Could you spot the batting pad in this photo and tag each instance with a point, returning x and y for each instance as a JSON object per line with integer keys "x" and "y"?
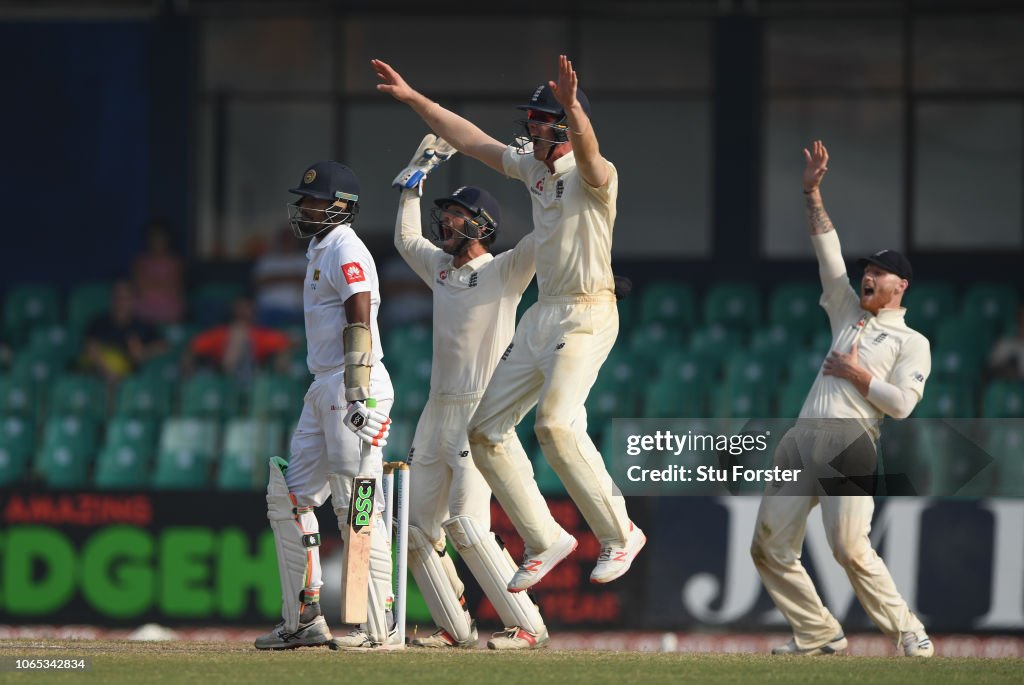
{"x": 493, "y": 569}
{"x": 381, "y": 593}
{"x": 437, "y": 584}
{"x": 297, "y": 539}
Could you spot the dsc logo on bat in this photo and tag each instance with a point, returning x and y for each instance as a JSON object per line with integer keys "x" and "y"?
{"x": 362, "y": 506}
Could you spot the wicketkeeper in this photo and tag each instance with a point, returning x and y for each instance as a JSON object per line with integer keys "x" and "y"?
{"x": 475, "y": 299}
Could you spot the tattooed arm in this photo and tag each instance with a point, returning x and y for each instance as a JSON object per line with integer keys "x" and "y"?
{"x": 838, "y": 298}
{"x": 817, "y": 164}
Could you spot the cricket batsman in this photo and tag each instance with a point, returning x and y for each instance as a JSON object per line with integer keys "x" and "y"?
{"x": 562, "y": 341}
{"x": 877, "y": 367}
{"x": 338, "y": 422}
{"x": 475, "y": 299}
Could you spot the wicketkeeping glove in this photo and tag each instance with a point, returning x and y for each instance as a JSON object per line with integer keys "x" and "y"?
{"x": 432, "y": 152}
{"x": 369, "y": 424}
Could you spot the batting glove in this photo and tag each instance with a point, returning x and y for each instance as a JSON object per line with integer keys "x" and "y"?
{"x": 367, "y": 423}
{"x": 432, "y": 152}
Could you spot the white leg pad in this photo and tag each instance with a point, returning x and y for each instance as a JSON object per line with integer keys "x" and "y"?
{"x": 493, "y": 568}
{"x": 297, "y": 539}
{"x": 382, "y": 596}
{"x": 440, "y": 585}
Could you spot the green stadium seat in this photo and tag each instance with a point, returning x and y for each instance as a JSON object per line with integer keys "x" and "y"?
{"x": 959, "y": 351}
{"x": 185, "y": 454}
{"x": 69, "y": 446}
{"x": 81, "y": 434}
{"x": 28, "y": 306}
{"x": 210, "y": 396}
{"x": 795, "y": 306}
{"x": 248, "y": 446}
{"x": 928, "y": 305}
{"x": 790, "y": 399}
{"x": 674, "y": 398}
{"x": 85, "y": 303}
{"x": 994, "y": 303}
{"x": 400, "y": 440}
{"x": 277, "y": 397}
{"x": 1003, "y": 399}
{"x": 17, "y": 442}
{"x": 821, "y": 342}
{"x": 138, "y": 433}
{"x": 609, "y": 400}
{"x": 210, "y": 303}
{"x": 652, "y": 340}
{"x": 733, "y": 401}
{"x": 165, "y": 368}
{"x": 410, "y": 398}
{"x": 56, "y": 341}
{"x": 625, "y": 368}
{"x": 670, "y": 303}
{"x": 527, "y": 438}
{"x": 1006, "y": 445}
{"x": 775, "y": 343}
{"x": 144, "y": 396}
{"x": 17, "y": 397}
{"x": 751, "y": 368}
{"x": 803, "y": 368}
{"x": 946, "y": 400}
{"x": 40, "y": 365}
{"x": 712, "y": 344}
{"x": 122, "y": 466}
{"x": 736, "y": 305}
{"x": 181, "y": 469}
{"x": 178, "y": 336}
{"x": 78, "y": 395}
{"x": 298, "y": 369}
{"x": 61, "y": 465}
{"x": 189, "y": 434}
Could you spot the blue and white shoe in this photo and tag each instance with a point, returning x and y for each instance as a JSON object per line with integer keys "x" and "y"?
{"x": 917, "y": 644}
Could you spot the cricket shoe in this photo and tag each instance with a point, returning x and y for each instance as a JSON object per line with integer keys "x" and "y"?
{"x": 360, "y": 639}
{"x": 517, "y": 638}
{"x": 836, "y": 645}
{"x": 536, "y": 566}
{"x": 442, "y": 639}
{"x": 614, "y": 561}
{"x": 917, "y": 644}
{"x": 314, "y": 633}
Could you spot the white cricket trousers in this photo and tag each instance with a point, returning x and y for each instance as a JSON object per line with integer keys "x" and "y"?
{"x": 553, "y": 361}
{"x": 322, "y": 444}
{"x": 779, "y": 536}
{"x": 444, "y": 480}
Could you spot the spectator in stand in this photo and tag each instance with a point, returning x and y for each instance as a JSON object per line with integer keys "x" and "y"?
{"x": 118, "y": 342}
{"x": 158, "y": 274}
{"x": 278, "y": 278}
{"x": 239, "y": 347}
{"x": 1007, "y": 357}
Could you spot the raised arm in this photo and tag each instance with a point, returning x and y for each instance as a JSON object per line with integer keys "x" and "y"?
{"x": 830, "y": 261}
{"x": 593, "y": 168}
{"x": 462, "y": 133}
{"x": 418, "y": 252}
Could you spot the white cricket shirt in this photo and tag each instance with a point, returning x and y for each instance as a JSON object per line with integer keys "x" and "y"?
{"x": 572, "y": 225}
{"x": 339, "y": 267}
{"x": 474, "y": 305}
{"x": 889, "y": 349}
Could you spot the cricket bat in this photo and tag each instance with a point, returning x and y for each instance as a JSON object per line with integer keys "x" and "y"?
{"x": 355, "y": 578}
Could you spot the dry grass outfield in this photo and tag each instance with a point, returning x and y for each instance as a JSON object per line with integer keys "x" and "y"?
{"x": 233, "y": 662}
